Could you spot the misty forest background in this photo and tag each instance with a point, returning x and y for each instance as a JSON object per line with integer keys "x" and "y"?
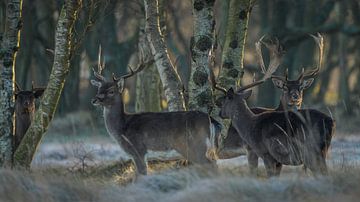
{"x": 117, "y": 24}
{"x": 229, "y": 31}
{"x": 73, "y": 142}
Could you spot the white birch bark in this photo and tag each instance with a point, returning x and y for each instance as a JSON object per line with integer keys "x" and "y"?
{"x": 200, "y": 90}
{"x": 9, "y": 46}
{"x": 169, "y": 77}
{"x": 44, "y": 115}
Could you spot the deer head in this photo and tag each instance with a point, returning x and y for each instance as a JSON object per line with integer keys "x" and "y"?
{"x": 25, "y": 99}
{"x": 233, "y": 99}
{"x": 109, "y": 91}
{"x": 293, "y": 89}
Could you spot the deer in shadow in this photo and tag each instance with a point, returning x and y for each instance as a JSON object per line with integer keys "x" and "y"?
{"x": 291, "y": 99}
{"x": 24, "y": 110}
{"x": 190, "y": 133}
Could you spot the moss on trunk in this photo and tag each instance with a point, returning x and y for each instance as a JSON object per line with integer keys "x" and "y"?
{"x": 9, "y": 46}
{"x": 43, "y": 116}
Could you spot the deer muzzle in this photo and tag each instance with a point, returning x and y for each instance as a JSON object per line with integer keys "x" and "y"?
{"x": 95, "y": 101}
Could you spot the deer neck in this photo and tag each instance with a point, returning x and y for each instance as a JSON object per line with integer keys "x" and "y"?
{"x": 115, "y": 116}
{"x": 283, "y": 106}
{"x": 243, "y": 118}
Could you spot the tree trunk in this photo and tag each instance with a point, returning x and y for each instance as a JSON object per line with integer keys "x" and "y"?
{"x": 9, "y": 47}
{"x": 148, "y": 84}
{"x": 169, "y": 77}
{"x": 200, "y": 91}
{"x": 268, "y": 96}
{"x": 233, "y": 51}
{"x": 43, "y": 116}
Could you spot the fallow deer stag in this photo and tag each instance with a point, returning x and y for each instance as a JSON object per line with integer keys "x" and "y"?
{"x": 24, "y": 110}
{"x": 291, "y": 99}
{"x": 279, "y": 138}
{"x": 190, "y": 133}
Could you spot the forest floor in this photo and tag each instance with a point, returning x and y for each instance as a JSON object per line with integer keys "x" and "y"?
{"x": 86, "y": 165}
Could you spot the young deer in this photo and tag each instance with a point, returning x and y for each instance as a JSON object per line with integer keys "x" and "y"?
{"x": 24, "y": 110}
{"x": 188, "y": 132}
{"x": 291, "y": 99}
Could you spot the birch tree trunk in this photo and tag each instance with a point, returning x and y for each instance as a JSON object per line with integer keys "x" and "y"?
{"x": 9, "y": 47}
{"x": 43, "y": 116}
{"x": 148, "y": 82}
{"x": 169, "y": 77}
{"x": 200, "y": 91}
{"x": 233, "y": 51}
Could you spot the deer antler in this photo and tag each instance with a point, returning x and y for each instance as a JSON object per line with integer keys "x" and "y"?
{"x": 214, "y": 84}
{"x": 17, "y": 86}
{"x": 276, "y": 53}
{"x": 132, "y": 72}
{"x": 320, "y": 43}
{"x": 100, "y": 66}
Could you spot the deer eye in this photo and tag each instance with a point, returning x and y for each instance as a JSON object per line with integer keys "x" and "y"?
{"x": 111, "y": 92}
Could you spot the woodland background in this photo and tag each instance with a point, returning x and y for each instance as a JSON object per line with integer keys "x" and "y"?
{"x": 77, "y": 145}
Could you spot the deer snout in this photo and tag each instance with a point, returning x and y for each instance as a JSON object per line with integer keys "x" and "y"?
{"x": 295, "y": 96}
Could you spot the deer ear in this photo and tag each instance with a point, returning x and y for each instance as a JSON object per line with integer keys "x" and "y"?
{"x": 120, "y": 84}
{"x": 278, "y": 82}
{"x": 95, "y": 83}
{"x": 38, "y": 92}
{"x": 307, "y": 83}
{"x": 247, "y": 94}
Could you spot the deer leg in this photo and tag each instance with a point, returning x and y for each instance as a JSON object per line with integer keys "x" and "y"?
{"x": 278, "y": 167}
{"x": 137, "y": 152}
{"x": 140, "y": 165}
{"x": 252, "y": 160}
{"x": 271, "y": 166}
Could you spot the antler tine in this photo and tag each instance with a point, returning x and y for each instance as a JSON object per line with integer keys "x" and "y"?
{"x": 319, "y": 39}
{"x": 132, "y": 72}
{"x": 259, "y": 54}
{"x": 276, "y": 53}
{"x": 301, "y": 76}
{"x": 251, "y": 85}
{"x": 17, "y": 86}
{"x": 214, "y": 84}
{"x": 97, "y": 74}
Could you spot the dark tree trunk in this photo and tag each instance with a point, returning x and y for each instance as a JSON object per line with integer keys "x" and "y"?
{"x": 44, "y": 115}
{"x": 170, "y": 79}
{"x": 9, "y": 47}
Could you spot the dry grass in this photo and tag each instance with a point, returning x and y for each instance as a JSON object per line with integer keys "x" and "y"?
{"x": 186, "y": 184}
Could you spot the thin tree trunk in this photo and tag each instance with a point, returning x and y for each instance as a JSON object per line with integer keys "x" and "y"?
{"x": 268, "y": 96}
{"x": 169, "y": 77}
{"x": 9, "y": 47}
{"x": 43, "y": 116}
{"x": 200, "y": 91}
{"x": 344, "y": 83}
{"x": 148, "y": 94}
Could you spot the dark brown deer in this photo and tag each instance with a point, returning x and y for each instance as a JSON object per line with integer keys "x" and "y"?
{"x": 190, "y": 133}
{"x": 291, "y": 99}
{"x": 279, "y": 137}
{"x": 24, "y": 110}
